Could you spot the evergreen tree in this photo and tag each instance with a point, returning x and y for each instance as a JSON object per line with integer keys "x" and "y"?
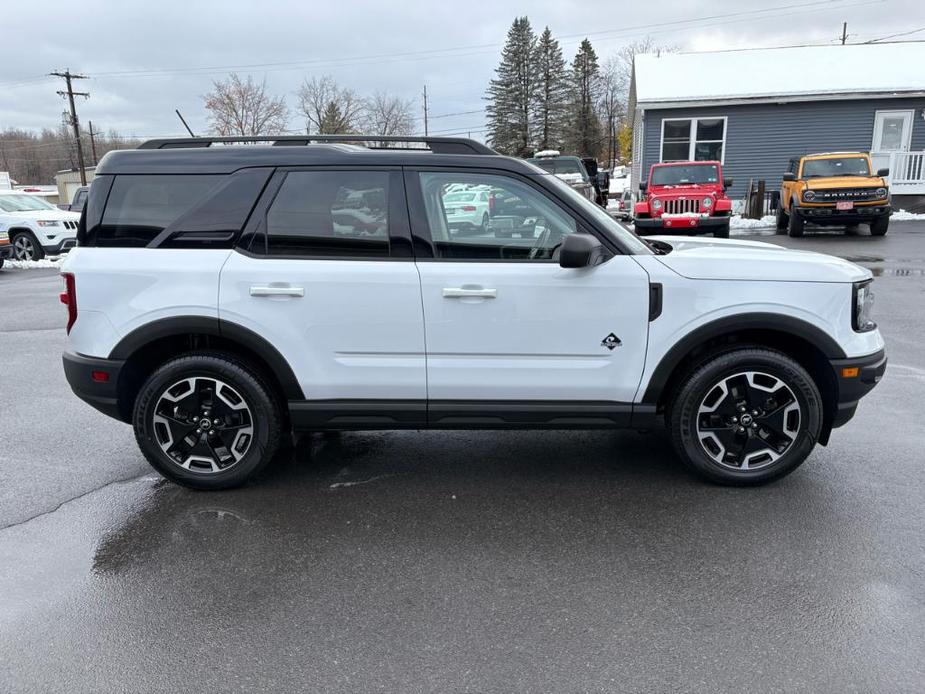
{"x": 511, "y": 93}
{"x": 586, "y": 136}
{"x": 550, "y": 102}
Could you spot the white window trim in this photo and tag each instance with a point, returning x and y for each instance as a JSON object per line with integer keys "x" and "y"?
{"x": 693, "y": 141}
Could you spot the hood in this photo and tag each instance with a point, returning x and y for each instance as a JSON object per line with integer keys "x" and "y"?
{"x": 731, "y": 259}
{"x": 62, "y": 215}
{"x": 845, "y": 182}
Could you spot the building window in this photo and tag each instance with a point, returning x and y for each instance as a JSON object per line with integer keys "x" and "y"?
{"x": 693, "y": 139}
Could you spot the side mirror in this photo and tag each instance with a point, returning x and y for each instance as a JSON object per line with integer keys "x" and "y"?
{"x": 643, "y": 185}
{"x": 727, "y": 183}
{"x": 579, "y": 250}
{"x": 790, "y": 176}
{"x": 883, "y": 173}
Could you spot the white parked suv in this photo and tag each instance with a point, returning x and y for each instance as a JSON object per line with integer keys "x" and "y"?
{"x": 215, "y": 303}
{"x": 36, "y": 228}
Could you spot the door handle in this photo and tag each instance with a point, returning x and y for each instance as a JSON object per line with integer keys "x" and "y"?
{"x": 460, "y": 292}
{"x": 277, "y": 291}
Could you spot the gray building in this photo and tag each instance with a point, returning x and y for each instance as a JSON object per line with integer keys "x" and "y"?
{"x": 755, "y": 109}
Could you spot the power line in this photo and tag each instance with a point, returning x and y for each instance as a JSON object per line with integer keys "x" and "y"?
{"x": 893, "y": 36}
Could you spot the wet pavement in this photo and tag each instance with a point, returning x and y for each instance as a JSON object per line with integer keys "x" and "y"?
{"x": 463, "y": 561}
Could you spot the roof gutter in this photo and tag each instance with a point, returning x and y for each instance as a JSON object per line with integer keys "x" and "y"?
{"x": 774, "y": 99}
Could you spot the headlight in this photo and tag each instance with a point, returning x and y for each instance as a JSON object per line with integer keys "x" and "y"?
{"x": 881, "y": 192}
{"x": 707, "y": 202}
{"x": 656, "y": 204}
{"x": 809, "y": 195}
{"x": 863, "y": 307}
{"x": 48, "y": 223}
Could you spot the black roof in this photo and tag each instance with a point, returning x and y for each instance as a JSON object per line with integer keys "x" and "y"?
{"x": 199, "y": 155}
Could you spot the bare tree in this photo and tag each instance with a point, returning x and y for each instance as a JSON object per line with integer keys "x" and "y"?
{"x": 385, "y": 114}
{"x": 243, "y": 107}
{"x": 328, "y": 108}
{"x": 612, "y": 104}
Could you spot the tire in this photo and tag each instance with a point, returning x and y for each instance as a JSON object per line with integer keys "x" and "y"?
{"x": 2, "y": 260}
{"x": 26, "y": 246}
{"x": 772, "y": 444}
{"x": 722, "y": 232}
{"x": 244, "y": 399}
{"x": 879, "y": 226}
{"x": 485, "y": 222}
{"x": 782, "y": 219}
{"x": 795, "y": 225}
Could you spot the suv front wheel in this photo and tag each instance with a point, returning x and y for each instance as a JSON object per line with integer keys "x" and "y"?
{"x": 206, "y": 421}
{"x": 746, "y": 417}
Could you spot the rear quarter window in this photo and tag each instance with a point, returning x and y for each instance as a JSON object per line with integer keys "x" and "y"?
{"x": 140, "y": 207}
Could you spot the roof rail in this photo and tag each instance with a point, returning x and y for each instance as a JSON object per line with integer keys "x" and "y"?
{"x": 437, "y": 145}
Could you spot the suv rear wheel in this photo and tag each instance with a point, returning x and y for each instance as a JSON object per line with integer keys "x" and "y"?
{"x": 746, "y": 417}
{"x": 206, "y": 421}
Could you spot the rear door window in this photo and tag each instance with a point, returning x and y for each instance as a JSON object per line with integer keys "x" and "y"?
{"x": 330, "y": 214}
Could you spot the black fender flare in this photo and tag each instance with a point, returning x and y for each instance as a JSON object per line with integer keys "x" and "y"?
{"x": 779, "y": 323}
{"x": 205, "y": 325}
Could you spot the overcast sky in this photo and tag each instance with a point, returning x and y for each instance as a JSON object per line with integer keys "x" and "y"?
{"x": 144, "y": 59}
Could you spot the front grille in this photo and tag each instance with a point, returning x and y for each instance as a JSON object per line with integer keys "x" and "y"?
{"x": 682, "y": 206}
{"x": 852, "y": 194}
{"x": 70, "y": 225}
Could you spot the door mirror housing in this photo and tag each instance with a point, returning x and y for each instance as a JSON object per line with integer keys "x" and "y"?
{"x": 790, "y": 176}
{"x": 883, "y": 173}
{"x": 579, "y": 250}
{"x": 643, "y": 185}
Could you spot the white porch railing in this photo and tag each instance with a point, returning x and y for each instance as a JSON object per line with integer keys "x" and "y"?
{"x": 907, "y": 171}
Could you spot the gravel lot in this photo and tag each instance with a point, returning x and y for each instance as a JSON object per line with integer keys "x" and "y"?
{"x": 463, "y": 561}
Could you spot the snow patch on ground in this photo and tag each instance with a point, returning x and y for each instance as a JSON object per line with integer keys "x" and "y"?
{"x": 766, "y": 222}
{"x": 903, "y": 216}
{"x": 33, "y": 264}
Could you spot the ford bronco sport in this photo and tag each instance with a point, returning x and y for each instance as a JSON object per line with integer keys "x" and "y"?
{"x": 835, "y": 188}
{"x": 687, "y": 197}
{"x": 221, "y": 296}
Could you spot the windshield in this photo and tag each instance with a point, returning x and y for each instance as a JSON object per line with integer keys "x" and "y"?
{"x": 684, "y": 175}
{"x": 842, "y": 166}
{"x": 459, "y": 197}
{"x": 23, "y": 203}
{"x": 560, "y": 165}
{"x": 600, "y": 216}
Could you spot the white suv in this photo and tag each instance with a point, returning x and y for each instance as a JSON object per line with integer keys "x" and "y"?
{"x": 220, "y": 297}
{"x": 36, "y": 228}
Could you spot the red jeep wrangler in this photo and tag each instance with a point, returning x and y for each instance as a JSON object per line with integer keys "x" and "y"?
{"x": 685, "y": 197}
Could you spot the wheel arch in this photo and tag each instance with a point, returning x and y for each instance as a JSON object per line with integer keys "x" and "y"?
{"x": 149, "y": 346}
{"x": 807, "y": 344}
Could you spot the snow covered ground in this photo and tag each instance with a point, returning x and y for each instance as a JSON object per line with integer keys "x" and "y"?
{"x": 33, "y": 264}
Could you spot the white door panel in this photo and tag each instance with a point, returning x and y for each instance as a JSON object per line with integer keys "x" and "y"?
{"x": 350, "y": 329}
{"x": 534, "y": 331}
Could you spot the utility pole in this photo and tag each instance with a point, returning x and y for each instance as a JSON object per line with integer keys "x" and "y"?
{"x": 425, "y": 110}
{"x": 93, "y": 143}
{"x": 844, "y": 33}
{"x": 70, "y": 94}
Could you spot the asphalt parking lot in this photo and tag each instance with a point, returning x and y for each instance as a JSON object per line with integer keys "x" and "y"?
{"x": 463, "y": 561}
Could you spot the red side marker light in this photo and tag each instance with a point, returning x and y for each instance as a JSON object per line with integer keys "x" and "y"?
{"x": 100, "y": 376}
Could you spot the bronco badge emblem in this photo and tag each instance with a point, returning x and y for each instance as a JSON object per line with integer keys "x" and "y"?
{"x": 611, "y": 341}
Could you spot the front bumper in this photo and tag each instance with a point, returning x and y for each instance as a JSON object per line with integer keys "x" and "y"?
{"x": 852, "y": 388}
{"x": 829, "y": 215}
{"x": 681, "y": 225}
{"x": 103, "y": 395}
{"x": 63, "y": 246}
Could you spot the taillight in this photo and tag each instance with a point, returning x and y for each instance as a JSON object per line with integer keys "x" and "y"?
{"x": 468, "y": 208}
{"x": 491, "y": 203}
{"x": 69, "y": 298}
